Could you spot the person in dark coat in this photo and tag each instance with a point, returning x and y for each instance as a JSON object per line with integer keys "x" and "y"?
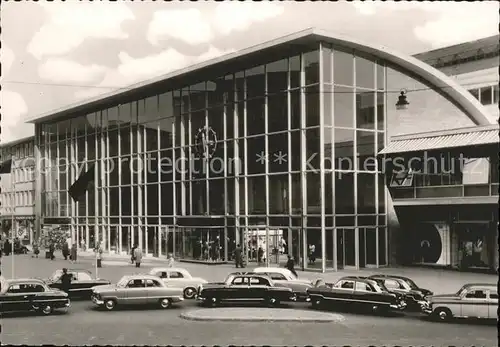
{"x": 6, "y": 247}
{"x": 65, "y": 250}
{"x": 52, "y": 248}
{"x": 66, "y": 280}
{"x": 73, "y": 252}
{"x": 238, "y": 256}
{"x": 290, "y": 265}
{"x": 132, "y": 254}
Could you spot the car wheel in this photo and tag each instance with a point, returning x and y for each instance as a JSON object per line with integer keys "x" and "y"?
{"x": 47, "y": 309}
{"x": 211, "y": 302}
{"x": 165, "y": 303}
{"x": 110, "y": 304}
{"x": 189, "y": 293}
{"x": 442, "y": 314}
{"x": 272, "y": 302}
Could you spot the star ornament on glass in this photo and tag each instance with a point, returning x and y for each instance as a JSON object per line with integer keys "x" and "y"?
{"x": 261, "y": 157}
{"x": 280, "y": 157}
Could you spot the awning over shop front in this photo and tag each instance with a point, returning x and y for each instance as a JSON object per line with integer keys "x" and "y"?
{"x": 456, "y": 138}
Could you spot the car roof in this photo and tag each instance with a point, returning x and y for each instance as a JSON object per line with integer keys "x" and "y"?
{"x": 397, "y": 277}
{"x": 171, "y": 269}
{"x": 359, "y": 278}
{"x": 140, "y": 277}
{"x": 74, "y": 270}
{"x": 24, "y": 280}
{"x": 270, "y": 269}
{"x": 468, "y": 285}
{"x": 249, "y": 274}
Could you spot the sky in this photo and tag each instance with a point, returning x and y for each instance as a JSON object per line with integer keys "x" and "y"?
{"x": 54, "y": 54}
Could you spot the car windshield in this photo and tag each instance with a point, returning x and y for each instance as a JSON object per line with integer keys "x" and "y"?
{"x": 380, "y": 284}
{"x": 461, "y": 290}
{"x": 411, "y": 284}
{"x": 123, "y": 282}
{"x": 56, "y": 275}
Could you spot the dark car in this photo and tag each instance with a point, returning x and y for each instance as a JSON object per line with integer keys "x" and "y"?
{"x": 356, "y": 292}
{"x": 31, "y": 295}
{"x": 243, "y": 287}
{"x": 81, "y": 282}
{"x": 413, "y": 294}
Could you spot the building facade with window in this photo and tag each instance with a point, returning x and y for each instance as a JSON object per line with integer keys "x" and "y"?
{"x": 474, "y": 65}
{"x": 17, "y": 194}
{"x": 273, "y": 147}
{"x": 446, "y": 199}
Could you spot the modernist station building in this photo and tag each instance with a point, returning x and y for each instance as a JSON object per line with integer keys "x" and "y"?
{"x": 274, "y": 146}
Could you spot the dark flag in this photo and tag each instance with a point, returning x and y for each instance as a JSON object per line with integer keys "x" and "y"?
{"x": 6, "y": 166}
{"x": 80, "y": 186}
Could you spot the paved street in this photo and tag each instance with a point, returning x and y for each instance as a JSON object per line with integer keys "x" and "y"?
{"x": 84, "y": 325}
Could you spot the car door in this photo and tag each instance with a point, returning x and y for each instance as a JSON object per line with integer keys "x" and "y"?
{"x": 493, "y": 304}
{"x": 237, "y": 290}
{"x": 136, "y": 293}
{"x": 474, "y": 303}
{"x": 364, "y": 294}
{"x": 176, "y": 279}
{"x": 15, "y": 299}
{"x": 258, "y": 287}
{"x": 343, "y": 291}
{"x": 155, "y": 291}
{"x": 163, "y": 275}
{"x": 82, "y": 283}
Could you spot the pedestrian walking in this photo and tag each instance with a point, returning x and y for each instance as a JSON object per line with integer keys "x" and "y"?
{"x": 73, "y": 253}
{"x": 51, "y": 251}
{"x": 66, "y": 281}
{"x": 238, "y": 256}
{"x": 170, "y": 260}
{"x": 132, "y": 254}
{"x": 65, "y": 250}
{"x": 138, "y": 256}
{"x": 7, "y": 247}
{"x": 290, "y": 265}
{"x": 36, "y": 249}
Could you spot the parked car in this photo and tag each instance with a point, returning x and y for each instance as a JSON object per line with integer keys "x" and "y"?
{"x": 22, "y": 249}
{"x": 81, "y": 283}
{"x": 243, "y": 287}
{"x": 413, "y": 294}
{"x": 31, "y": 295}
{"x": 473, "y": 300}
{"x": 136, "y": 290}
{"x": 284, "y": 277}
{"x": 177, "y": 277}
{"x": 356, "y": 292}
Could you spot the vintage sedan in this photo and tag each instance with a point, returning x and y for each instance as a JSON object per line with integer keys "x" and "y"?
{"x": 81, "y": 283}
{"x": 474, "y": 300}
{"x": 246, "y": 288}
{"x": 413, "y": 294}
{"x": 136, "y": 290}
{"x": 284, "y": 277}
{"x": 177, "y": 277}
{"x": 31, "y": 295}
{"x": 355, "y": 291}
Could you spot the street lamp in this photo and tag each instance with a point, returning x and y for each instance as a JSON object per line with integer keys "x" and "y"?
{"x": 402, "y": 103}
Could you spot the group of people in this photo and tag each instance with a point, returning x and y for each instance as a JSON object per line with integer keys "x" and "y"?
{"x": 238, "y": 260}
{"x": 136, "y": 256}
{"x": 9, "y": 247}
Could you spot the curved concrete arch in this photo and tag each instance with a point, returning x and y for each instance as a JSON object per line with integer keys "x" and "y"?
{"x": 454, "y": 91}
{"x": 472, "y": 107}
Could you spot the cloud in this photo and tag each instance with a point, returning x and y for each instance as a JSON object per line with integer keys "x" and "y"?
{"x": 185, "y": 25}
{"x": 448, "y": 23}
{"x": 236, "y": 16}
{"x": 7, "y": 58}
{"x": 13, "y": 110}
{"x": 133, "y": 70}
{"x": 70, "y": 24}
{"x": 460, "y": 22}
{"x": 67, "y": 71}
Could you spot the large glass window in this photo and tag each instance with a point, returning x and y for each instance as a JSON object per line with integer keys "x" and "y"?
{"x": 366, "y": 193}
{"x": 366, "y": 156}
{"x": 365, "y": 73}
{"x": 277, "y": 112}
{"x": 278, "y": 152}
{"x": 255, "y": 116}
{"x": 277, "y": 76}
{"x": 344, "y": 193}
{"x": 278, "y": 194}
{"x": 365, "y": 110}
{"x": 343, "y": 67}
{"x": 255, "y": 82}
{"x": 428, "y": 109}
{"x": 344, "y": 149}
{"x": 343, "y": 103}
{"x": 312, "y": 106}
{"x": 294, "y": 64}
{"x": 311, "y": 67}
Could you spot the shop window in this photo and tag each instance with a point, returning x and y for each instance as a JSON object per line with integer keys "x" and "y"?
{"x": 486, "y": 95}
{"x": 402, "y": 179}
{"x": 475, "y": 171}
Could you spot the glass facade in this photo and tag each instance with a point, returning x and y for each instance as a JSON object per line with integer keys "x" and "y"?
{"x": 279, "y": 158}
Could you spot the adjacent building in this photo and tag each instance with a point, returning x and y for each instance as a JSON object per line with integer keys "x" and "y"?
{"x": 17, "y": 190}
{"x": 272, "y": 147}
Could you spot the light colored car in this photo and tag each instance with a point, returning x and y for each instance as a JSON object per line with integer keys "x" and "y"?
{"x": 474, "y": 300}
{"x": 136, "y": 290}
{"x": 285, "y": 278}
{"x": 179, "y": 278}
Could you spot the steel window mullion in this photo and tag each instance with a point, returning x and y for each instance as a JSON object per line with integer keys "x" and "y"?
{"x": 322, "y": 157}
{"x": 207, "y": 160}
